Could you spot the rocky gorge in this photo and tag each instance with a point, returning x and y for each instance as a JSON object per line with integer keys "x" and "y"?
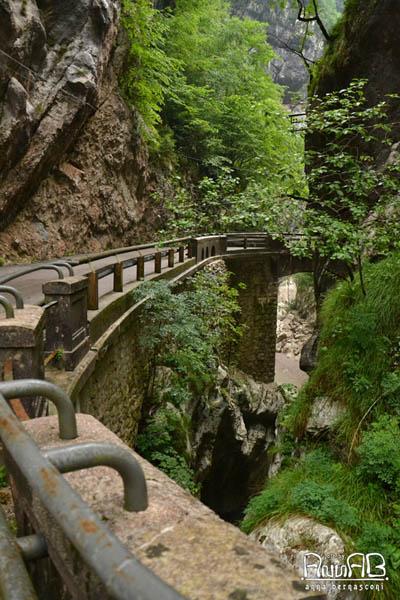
{"x": 300, "y": 468}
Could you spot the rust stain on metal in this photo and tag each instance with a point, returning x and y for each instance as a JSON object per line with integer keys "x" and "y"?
{"x": 49, "y": 481}
{"x": 7, "y": 426}
{"x": 88, "y": 526}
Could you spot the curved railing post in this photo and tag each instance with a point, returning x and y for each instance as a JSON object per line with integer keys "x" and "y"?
{"x": 32, "y": 387}
{"x": 15, "y": 583}
{"x": 95, "y": 454}
{"x": 7, "y": 289}
{"x": 30, "y": 270}
{"x": 6, "y": 304}
{"x": 67, "y": 265}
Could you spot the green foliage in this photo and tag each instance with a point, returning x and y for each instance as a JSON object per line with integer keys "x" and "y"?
{"x": 353, "y": 205}
{"x": 221, "y": 205}
{"x": 163, "y": 443}
{"x": 352, "y": 482}
{"x": 223, "y": 108}
{"x": 387, "y": 538}
{"x": 358, "y": 362}
{"x": 147, "y": 76}
{"x": 185, "y": 334}
{"x": 198, "y": 79}
{"x": 317, "y": 487}
{"x": 379, "y": 452}
{"x": 344, "y": 35}
{"x": 318, "y": 501}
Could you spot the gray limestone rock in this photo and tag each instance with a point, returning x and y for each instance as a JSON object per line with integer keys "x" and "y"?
{"x": 234, "y": 427}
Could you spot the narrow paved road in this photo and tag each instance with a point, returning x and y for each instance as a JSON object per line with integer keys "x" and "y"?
{"x": 30, "y": 285}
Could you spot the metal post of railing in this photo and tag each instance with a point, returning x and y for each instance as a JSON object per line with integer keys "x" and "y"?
{"x": 118, "y": 277}
{"x": 67, "y": 265}
{"x": 25, "y": 388}
{"x": 7, "y": 289}
{"x": 93, "y": 291}
{"x": 94, "y": 454}
{"x": 15, "y": 583}
{"x": 171, "y": 257}
{"x": 140, "y": 268}
{"x": 30, "y": 270}
{"x": 6, "y": 304}
{"x": 22, "y": 355}
{"x": 32, "y": 547}
{"x": 157, "y": 262}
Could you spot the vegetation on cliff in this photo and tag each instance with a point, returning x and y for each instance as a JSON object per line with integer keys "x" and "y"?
{"x": 198, "y": 78}
{"x": 186, "y": 334}
{"x": 350, "y": 480}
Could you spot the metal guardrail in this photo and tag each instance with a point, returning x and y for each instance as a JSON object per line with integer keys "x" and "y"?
{"x": 94, "y": 454}
{"x": 27, "y": 388}
{"x": 57, "y": 267}
{"x": 122, "y": 575}
{"x": 7, "y": 289}
{"x": 87, "y": 258}
{"x": 6, "y": 304}
{"x": 15, "y": 583}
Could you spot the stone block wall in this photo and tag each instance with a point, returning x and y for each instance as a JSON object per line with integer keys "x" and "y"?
{"x": 110, "y": 383}
{"x": 255, "y": 353}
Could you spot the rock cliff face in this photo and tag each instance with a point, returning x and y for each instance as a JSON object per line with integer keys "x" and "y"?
{"x": 285, "y": 34}
{"x": 365, "y": 46}
{"x": 73, "y": 174}
{"x": 233, "y": 430}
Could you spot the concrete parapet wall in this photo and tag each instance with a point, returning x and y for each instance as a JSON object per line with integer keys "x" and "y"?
{"x": 177, "y": 537}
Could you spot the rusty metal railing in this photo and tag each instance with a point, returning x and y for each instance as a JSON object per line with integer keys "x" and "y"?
{"x": 6, "y": 304}
{"x": 122, "y": 575}
{"x": 15, "y": 583}
{"x": 57, "y": 267}
{"x": 117, "y": 270}
{"x": 7, "y": 289}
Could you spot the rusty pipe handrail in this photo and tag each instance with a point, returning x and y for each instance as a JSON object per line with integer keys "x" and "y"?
{"x": 7, "y": 289}
{"x": 23, "y": 388}
{"x": 95, "y": 454}
{"x": 6, "y": 304}
{"x": 29, "y": 270}
{"x": 123, "y": 576}
{"x": 64, "y": 263}
{"x": 15, "y": 582}
{"x": 86, "y": 258}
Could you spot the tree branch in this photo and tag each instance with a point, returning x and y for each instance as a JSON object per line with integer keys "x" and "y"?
{"x": 316, "y": 18}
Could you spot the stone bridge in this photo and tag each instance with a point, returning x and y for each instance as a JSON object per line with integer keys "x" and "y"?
{"x": 81, "y": 332}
